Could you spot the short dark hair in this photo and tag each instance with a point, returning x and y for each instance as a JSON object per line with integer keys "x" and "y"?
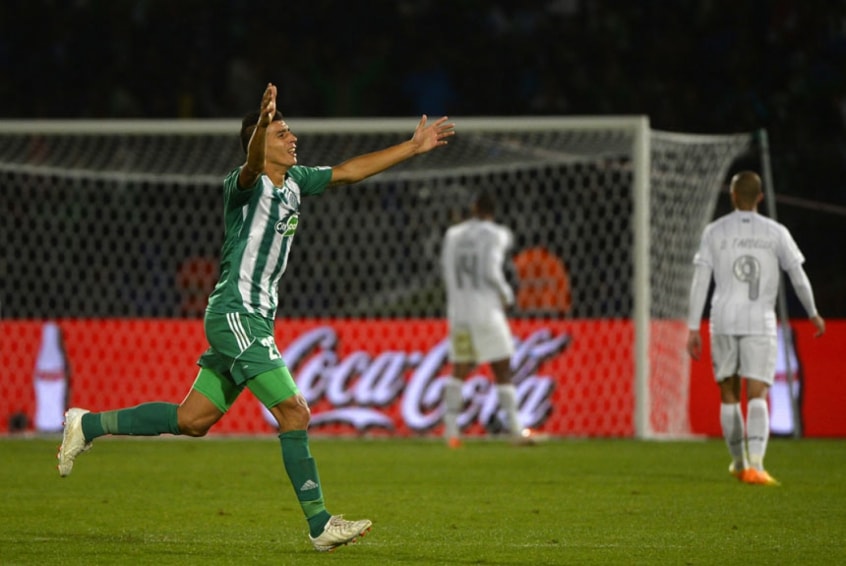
{"x": 484, "y": 203}
{"x": 746, "y": 186}
{"x": 248, "y": 124}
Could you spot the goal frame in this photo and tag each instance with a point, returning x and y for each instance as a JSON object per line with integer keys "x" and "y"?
{"x": 636, "y": 127}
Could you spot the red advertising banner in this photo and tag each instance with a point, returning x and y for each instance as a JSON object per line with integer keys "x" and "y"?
{"x": 820, "y": 382}
{"x": 383, "y": 377}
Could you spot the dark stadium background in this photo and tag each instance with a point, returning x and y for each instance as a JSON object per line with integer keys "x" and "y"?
{"x": 692, "y": 66}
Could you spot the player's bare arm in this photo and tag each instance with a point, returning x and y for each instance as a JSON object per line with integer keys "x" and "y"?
{"x": 427, "y": 136}
{"x": 254, "y": 166}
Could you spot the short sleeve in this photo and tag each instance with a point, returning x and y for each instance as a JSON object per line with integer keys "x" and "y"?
{"x": 311, "y": 180}
{"x": 233, "y": 196}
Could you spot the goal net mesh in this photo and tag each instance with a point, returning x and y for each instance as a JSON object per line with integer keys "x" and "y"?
{"x": 125, "y": 222}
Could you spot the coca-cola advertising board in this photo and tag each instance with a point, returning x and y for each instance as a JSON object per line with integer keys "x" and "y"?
{"x": 385, "y": 377}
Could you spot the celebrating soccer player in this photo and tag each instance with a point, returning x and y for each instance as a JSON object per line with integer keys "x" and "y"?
{"x": 261, "y": 212}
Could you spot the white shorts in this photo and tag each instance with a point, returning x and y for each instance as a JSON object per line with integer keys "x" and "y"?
{"x": 752, "y": 357}
{"x": 480, "y": 343}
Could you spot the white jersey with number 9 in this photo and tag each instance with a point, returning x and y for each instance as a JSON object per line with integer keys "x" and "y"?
{"x": 746, "y": 252}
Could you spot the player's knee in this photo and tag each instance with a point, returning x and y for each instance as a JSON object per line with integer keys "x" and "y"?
{"x": 194, "y": 427}
{"x": 292, "y": 413}
{"x": 300, "y": 413}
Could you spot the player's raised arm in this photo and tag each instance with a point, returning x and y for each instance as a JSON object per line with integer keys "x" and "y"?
{"x": 254, "y": 165}
{"x": 427, "y": 136}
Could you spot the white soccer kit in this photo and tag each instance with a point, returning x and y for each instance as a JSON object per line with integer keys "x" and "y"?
{"x": 472, "y": 261}
{"x": 745, "y": 252}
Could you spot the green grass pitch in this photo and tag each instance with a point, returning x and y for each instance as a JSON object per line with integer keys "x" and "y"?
{"x": 228, "y": 501}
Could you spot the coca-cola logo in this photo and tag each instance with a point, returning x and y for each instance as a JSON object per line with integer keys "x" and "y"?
{"x": 361, "y": 387}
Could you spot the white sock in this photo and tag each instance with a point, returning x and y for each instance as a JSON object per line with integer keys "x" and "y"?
{"x": 731, "y": 421}
{"x": 454, "y": 403}
{"x": 507, "y": 395}
{"x": 757, "y": 431}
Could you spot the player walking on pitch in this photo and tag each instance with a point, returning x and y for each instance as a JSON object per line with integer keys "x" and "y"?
{"x": 261, "y": 212}
{"x": 473, "y": 269}
{"x": 744, "y": 252}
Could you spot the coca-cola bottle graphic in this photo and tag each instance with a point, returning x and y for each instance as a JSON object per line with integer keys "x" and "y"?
{"x": 51, "y": 380}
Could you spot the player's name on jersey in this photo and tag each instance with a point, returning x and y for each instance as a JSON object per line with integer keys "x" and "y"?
{"x": 750, "y": 244}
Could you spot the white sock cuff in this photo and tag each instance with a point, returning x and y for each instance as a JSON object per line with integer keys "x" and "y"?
{"x": 452, "y": 395}
{"x": 757, "y": 403}
{"x": 729, "y": 408}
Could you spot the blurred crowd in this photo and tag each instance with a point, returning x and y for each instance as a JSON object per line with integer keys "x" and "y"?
{"x": 691, "y": 65}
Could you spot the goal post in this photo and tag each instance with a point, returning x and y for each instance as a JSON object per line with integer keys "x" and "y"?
{"x": 120, "y": 219}
{"x": 686, "y": 175}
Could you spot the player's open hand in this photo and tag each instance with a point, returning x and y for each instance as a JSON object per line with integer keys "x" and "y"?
{"x": 694, "y": 344}
{"x": 819, "y": 324}
{"x": 429, "y": 136}
{"x": 268, "y": 105}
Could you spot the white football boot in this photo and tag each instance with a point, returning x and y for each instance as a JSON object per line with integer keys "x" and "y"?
{"x": 73, "y": 441}
{"x": 339, "y": 532}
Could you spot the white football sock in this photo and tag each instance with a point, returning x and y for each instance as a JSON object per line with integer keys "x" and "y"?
{"x": 507, "y": 395}
{"x": 454, "y": 403}
{"x": 731, "y": 421}
{"x": 757, "y": 431}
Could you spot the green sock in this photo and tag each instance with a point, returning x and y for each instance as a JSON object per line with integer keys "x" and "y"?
{"x": 302, "y": 471}
{"x": 147, "y": 419}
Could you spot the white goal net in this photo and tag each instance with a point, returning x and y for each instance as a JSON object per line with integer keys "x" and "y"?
{"x": 121, "y": 221}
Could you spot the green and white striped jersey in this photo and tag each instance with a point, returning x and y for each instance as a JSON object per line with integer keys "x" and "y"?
{"x": 260, "y": 224}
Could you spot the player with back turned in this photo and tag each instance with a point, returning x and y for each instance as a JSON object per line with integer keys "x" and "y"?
{"x": 473, "y": 263}
{"x": 261, "y": 215}
{"x": 744, "y": 252}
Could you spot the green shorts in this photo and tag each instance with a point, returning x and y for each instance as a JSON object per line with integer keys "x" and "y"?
{"x": 242, "y": 353}
{"x": 241, "y": 346}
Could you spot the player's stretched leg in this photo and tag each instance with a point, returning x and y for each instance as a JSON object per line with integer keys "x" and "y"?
{"x": 278, "y": 392}
{"x": 82, "y": 427}
{"x": 210, "y": 397}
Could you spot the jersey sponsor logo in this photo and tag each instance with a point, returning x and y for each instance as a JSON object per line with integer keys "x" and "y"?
{"x": 288, "y": 226}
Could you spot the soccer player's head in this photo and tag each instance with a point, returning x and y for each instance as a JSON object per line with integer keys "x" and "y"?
{"x": 248, "y": 124}
{"x": 746, "y": 190}
{"x": 483, "y": 205}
